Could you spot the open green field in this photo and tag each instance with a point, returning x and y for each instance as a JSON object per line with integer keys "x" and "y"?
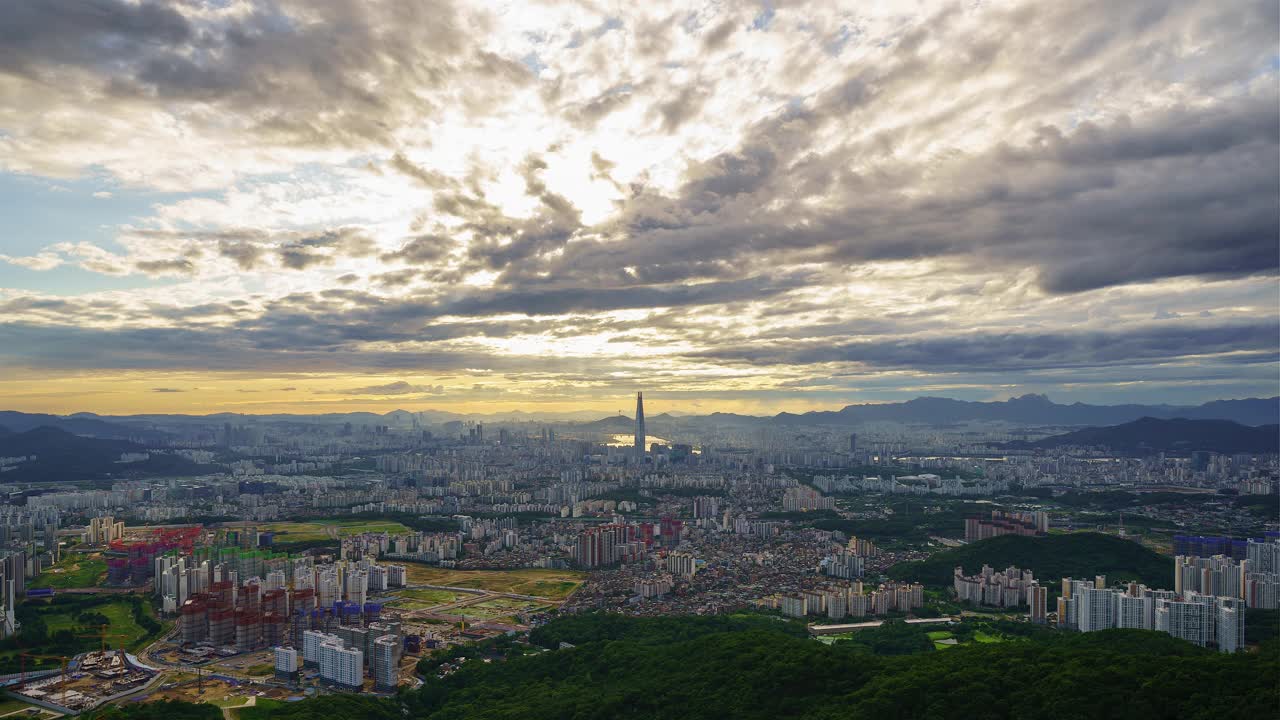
{"x": 55, "y": 629}
{"x": 984, "y": 637}
{"x": 122, "y": 623}
{"x": 549, "y": 584}
{"x": 287, "y": 532}
{"x": 73, "y": 571}
{"x": 419, "y": 598}
{"x": 8, "y": 705}
{"x": 499, "y": 609}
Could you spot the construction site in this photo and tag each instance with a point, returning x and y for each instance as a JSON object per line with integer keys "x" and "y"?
{"x": 85, "y": 682}
{"x": 132, "y": 563}
{"x": 245, "y": 618}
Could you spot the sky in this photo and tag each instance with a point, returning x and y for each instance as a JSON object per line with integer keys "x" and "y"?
{"x": 335, "y": 205}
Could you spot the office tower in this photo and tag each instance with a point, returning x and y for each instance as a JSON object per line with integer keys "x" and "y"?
{"x": 853, "y": 443}
{"x": 640, "y": 435}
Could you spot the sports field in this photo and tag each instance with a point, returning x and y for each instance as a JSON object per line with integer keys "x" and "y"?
{"x": 549, "y": 584}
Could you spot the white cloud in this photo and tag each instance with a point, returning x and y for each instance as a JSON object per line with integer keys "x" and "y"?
{"x": 41, "y": 261}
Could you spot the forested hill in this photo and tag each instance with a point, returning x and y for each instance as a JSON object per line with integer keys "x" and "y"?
{"x": 699, "y": 668}
{"x": 61, "y": 456}
{"x": 1178, "y": 435}
{"x": 1051, "y": 558}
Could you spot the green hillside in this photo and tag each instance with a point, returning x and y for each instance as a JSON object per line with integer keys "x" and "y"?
{"x": 704, "y": 670}
{"x": 1052, "y": 557}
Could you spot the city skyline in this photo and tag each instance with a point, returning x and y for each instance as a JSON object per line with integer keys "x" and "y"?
{"x": 340, "y": 205}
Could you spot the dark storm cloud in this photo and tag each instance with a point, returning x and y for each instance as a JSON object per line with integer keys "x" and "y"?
{"x": 298, "y": 72}
{"x": 85, "y": 33}
{"x": 581, "y": 299}
{"x": 223, "y": 349}
{"x": 981, "y": 352}
{"x": 1186, "y": 190}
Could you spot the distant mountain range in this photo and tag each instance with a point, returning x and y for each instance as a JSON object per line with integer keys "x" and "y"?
{"x": 1025, "y": 411}
{"x": 83, "y": 424}
{"x": 1148, "y": 434}
{"x": 1037, "y": 410}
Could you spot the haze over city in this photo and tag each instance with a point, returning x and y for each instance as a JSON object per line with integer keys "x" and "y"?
{"x": 342, "y": 205}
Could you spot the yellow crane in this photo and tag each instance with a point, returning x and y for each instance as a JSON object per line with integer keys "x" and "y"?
{"x": 60, "y": 658}
{"x": 102, "y": 634}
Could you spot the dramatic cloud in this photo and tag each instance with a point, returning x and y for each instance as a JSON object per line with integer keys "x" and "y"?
{"x": 400, "y": 387}
{"x": 806, "y": 203}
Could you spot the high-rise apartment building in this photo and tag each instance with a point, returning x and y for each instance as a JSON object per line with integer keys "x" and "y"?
{"x": 1190, "y": 621}
{"x": 339, "y": 665}
{"x": 1229, "y": 624}
{"x": 286, "y": 662}
{"x": 385, "y": 662}
{"x": 1037, "y": 598}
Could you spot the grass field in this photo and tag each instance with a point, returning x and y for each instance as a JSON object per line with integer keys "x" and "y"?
{"x": 499, "y": 609}
{"x": 307, "y": 531}
{"x": 74, "y": 571}
{"x": 216, "y": 692}
{"x": 120, "y": 617}
{"x": 122, "y": 623}
{"x": 983, "y": 637}
{"x": 436, "y": 597}
{"x": 8, "y": 705}
{"x": 549, "y": 584}
{"x": 419, "y": 598}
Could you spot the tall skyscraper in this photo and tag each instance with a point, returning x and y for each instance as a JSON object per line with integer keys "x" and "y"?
{"x": 640, "y": 439}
